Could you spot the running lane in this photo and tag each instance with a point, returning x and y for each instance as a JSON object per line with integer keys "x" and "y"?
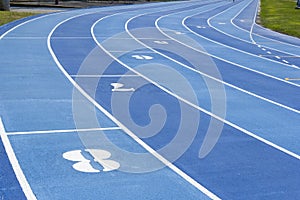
{"x": 37, "y": 111}
{"x": 248, "y": 153}
{"x": 129, "y": 79}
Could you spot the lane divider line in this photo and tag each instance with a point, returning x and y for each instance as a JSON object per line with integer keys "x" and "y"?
{"x": 189, "y": 103}
{"x": 63, "y": 131}
{"x": 103, "y": 76}
{"x": 15, "y": 164}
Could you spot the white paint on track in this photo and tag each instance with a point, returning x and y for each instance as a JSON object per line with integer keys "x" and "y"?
{"x": 184, "y": 100}
{"x": 238, "y": 65}
{"x": 191, "y": 104}
{"x": 63, "y": 131}
{"x": 15, "y": 164}
{"x": 148, "y": 148}
{"x": 269, "y": 39}
{"x": 223, "y": 82}
{"x": 233, "y": 48}
{"x": 118, "y": 123}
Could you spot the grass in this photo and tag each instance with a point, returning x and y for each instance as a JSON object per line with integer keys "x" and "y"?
{"x": 7, "y": 16}
{"x": 281, "y": 16}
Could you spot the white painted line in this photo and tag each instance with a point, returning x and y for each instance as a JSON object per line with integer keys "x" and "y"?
{"x": 251, "y": 31}
{"x": 293, "y": 79}
{"x": 285, "y": 61}
{"x": 160, "y": 42}
{"x": 203, "y": 110}
{"x": 25, "y": 38}
{"x": 258, "y": 35}
{"x": 15, "y": 164}
{"x": 222, "y": 59}
{"x": 63, "y": 131}
{"x": 125, "y": 129}
{"x": 119, "y": 87}
{"x": 269, "y": 52}
{"x": 137, "y": 139}
{"x": 116, "y": 51}
{"x": 221, "y": 81}
{"x": 200, "y": 108}
{"x": 173, "y": 167}
{"x": 253, "y": 22}
{"x": 103, "y": 76}
{"x": 31, "y": 20}
{"x": 142, "y": 57}
{"x": 278, "y": 57}
{"x": 230, "y": 47}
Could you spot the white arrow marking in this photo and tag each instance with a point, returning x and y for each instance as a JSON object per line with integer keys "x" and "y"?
{"x": 118, "y": 87}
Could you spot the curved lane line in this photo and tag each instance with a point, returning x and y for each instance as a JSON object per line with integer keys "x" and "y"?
{"x": 219, "y": 58}
{"x": 251, "y": 33}
{"x": 233, "y": 48}
{"x": 15, "y": 164}
{"x": 213, "y": 78}
{"x": 166, "y": 162}
{"x": 187, "y": 102}
{"x": 124, "y": 128}
{"x": 28, "y": 21}
{"x": 238, "y": 65}
{"x": 205, "y": 111}
{"x": 262, "y": 36}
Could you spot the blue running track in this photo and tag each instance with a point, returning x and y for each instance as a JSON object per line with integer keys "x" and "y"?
{"x": 172, "y": 100}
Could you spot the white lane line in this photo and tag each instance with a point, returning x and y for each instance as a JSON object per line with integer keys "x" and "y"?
{"x": 25, "y": 38}
{"x": 230, "y": 47}
{"x": 252, "y": 33}
{"x": 293, "y": 79}
{"x": 225, "y": 83}
{"x": 103, "y": 76}
{"x": 124, "y": 128}
{"x": 15, "y": 164}
{"x": 21, "y": 24}
{"x": 278, "y": 41}
{"x": 189, "y": 179}
{"x": 227, "y": 61}
{"x": 285, "y": 61}
{"x": 235, "y": 64}
{"x": 271, "y": 39}
{"x": 191, "y": 104}
{"x": 138, "y": 140}
{"x": 63, "y": 131}
{"x": 253, "y": 24}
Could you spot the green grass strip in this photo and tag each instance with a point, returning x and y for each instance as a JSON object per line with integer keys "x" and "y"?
{"x": 7, "y": 16}
{"x": 281, "y": 16}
